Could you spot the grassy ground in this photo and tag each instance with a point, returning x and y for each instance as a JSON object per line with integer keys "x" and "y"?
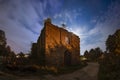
{"x": 41, "y": 72}
{"x": 70, "y": 69}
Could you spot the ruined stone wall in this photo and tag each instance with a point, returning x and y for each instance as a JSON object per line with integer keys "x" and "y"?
{"x": 75, "y": 43}
{"x": 34, "y": 50}
{"x": 53, "y": 52}
{"x": 41, "y": 48}
{"x": 54, "y": 42}
{"x": 56, "y": 45}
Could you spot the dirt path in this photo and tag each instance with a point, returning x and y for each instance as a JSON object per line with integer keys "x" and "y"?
{"x": 87, "y": 73}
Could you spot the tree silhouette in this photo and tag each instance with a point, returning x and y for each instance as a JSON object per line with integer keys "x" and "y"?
{"x": 86, "y": 54}
{"x": 110, "y": 64}
{"x": 2, "y": 43}
{"x": 93, "y": 54}
{"x": 2, "y": 38}
{"x": 113, "y": 42}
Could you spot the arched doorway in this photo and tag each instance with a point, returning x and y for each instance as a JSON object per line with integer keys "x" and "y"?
{"x": 67, "y": 58}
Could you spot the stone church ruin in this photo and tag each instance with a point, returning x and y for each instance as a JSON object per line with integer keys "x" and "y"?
{"x": 56, "y": 46}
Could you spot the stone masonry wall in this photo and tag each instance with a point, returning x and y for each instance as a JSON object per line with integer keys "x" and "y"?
{"x": 57, "y": 47}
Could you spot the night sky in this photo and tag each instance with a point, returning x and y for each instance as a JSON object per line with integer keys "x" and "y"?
{"x": 91, "y": 20}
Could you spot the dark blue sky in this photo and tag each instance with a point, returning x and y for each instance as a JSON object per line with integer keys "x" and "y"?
{"x": 91, "y": 20}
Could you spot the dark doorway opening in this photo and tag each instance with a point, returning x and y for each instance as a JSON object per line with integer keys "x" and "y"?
{"x": 67, "y": 58}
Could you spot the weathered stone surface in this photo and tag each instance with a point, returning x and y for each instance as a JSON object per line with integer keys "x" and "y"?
{"x": 57, "y": 46}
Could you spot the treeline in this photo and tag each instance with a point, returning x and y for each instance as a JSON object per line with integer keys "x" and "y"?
{"x": 110, "y": 64}
{"x": 109, "y": 60}
{"x": 93, "y": 54}
{"x": 8, "y": 58}
{"x": 5, "y": 50}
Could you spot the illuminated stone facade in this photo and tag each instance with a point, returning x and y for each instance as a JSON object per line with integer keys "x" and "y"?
{"x": 56, "y": 46}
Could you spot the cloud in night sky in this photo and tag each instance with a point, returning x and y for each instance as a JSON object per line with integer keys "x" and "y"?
{"x": 22, "y": 20}
{"x": 105, "y": 25}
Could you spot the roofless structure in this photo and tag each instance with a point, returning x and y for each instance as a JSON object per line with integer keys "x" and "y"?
{"x": 56, "y": 46}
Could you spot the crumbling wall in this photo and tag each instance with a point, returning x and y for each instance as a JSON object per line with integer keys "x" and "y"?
{"x": 53, "y": 44}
